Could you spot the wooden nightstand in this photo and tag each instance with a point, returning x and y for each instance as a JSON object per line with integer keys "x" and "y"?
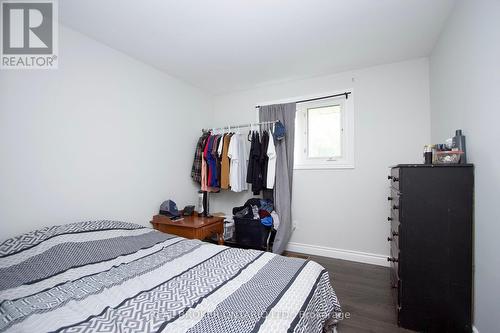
{"x": 193, "y": 227}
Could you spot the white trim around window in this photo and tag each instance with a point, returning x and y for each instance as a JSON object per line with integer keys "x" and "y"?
{"x": 344, "y": 159}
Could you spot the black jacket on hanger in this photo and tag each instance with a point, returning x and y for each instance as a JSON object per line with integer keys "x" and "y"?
{"x": 250, "y": 161}
{"x": 254, "y": 173}
{"x": 257, "y": 165}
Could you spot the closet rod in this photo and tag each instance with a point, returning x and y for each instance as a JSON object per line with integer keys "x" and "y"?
{"x": 241, "y": 126}
{"x": 346, "y": 94}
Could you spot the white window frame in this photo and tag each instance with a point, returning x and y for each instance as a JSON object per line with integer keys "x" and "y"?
{"x": 346, "y": 161}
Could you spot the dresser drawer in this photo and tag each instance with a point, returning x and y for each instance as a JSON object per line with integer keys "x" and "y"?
{"x": 395, "y": 274}
{"x": 394, "y": 178}
{"x": 395, "y": 204}
{"x": 394, "y": 222}
{"x": 394, "y": 236}
{"x": 394, "y": 252}
{"x": 396, "y": 294}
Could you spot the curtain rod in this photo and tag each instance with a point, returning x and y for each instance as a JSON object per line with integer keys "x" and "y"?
{"x": 240, "y": 126}
{"x": 346, "y": 94}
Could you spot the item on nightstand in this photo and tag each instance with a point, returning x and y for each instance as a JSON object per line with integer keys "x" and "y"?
{"x": 449, "y": 143}
{"x": 203, "y": 204}
{"x": 434, "y": 155}
{"x": 448, "y": 157}
{"x": 428, "y": 154}
{"x": 458, "y": 142}
{"x": 199, "y": 207}
{"x": 188, "y": 210}
{"x": 436, "y": 149}
{"x": 169, "y": 208}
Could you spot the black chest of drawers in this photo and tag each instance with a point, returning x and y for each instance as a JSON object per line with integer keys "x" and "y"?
{"x": 431, "y": 239}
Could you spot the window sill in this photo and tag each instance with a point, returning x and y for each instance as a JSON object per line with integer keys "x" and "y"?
{"x": 323, "y": 167}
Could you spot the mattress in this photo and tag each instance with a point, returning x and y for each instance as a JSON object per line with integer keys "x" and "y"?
{"x": 109, "y": 276}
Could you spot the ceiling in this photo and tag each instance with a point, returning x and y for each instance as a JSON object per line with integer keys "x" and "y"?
{"x": 227, "y": 45}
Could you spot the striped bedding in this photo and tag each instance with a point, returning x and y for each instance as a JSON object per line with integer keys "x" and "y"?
{"x": 107, "y": 276}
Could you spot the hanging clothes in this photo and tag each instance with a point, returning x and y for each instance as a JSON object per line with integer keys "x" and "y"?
{"x": 208, "y": 157}
{"x": 271, "y": 163}
{"x": 264, "y": 159}
{"x": 215, "y": 155}
{"x": 214, "y": 170}
{"x": 238, "y": 167}
{"x": 207, "y": 170}
{"x": 249, "y": 176}
{"x": 198, "y": 156}
{"x": 224, "y": 182}
{"x": 254, "y": 176}
{"x": 218, "y": 159}
{"x": 204, "y": 166}
{"x": 219, "y": 147}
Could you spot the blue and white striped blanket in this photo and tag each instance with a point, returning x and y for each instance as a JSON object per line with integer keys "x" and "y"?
{"x": 106, "y": 276}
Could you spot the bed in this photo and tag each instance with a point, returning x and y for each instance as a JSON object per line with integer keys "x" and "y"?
{"x": 109, "y": 276}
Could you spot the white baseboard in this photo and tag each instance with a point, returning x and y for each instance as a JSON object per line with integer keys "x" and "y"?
{"x": 364, "y": 257}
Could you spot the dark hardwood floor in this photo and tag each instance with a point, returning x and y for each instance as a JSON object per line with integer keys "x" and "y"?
{"x": 364, "y": 292}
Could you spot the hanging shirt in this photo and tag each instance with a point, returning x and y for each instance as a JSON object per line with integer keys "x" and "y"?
{"x": 238, "y": 166}
{"x": 249, "y": 176}
{"x": 219, "y": 149}
{"x": 214, "y": 181}
{"x": 257, "y": 166}
{"x": 271, "y": 163}
{"x": 218, "y": 158}
{"x": 208, "y": 157}
{"x": 224, "y": 181}
{"x": 198, "y": 156}
{"x": 264, "y": 159}
{"x": 204, "y": 166}
{"x": 254, "y": 159}
{"x": 205, "y": 169}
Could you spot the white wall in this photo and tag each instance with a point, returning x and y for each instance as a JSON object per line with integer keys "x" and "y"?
{"x": 103, "y": 136}
{"x": 465, "y": 93}
{"x": 347, "y": 209}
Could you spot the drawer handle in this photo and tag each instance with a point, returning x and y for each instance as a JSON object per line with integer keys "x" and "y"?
{"x": 392, "y": 259}
{"x": 389, "y": 219}
{"x": 389, "y": 198}
{"x": 394, "y": 179}
{"x": 394, "y": 286}
{"x": 395, "y": 233}
{"x": 390, "y": 239}
{"x": 395, "y": 207}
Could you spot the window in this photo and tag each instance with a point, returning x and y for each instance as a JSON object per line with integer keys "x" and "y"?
{"x": 324, "y": 134}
